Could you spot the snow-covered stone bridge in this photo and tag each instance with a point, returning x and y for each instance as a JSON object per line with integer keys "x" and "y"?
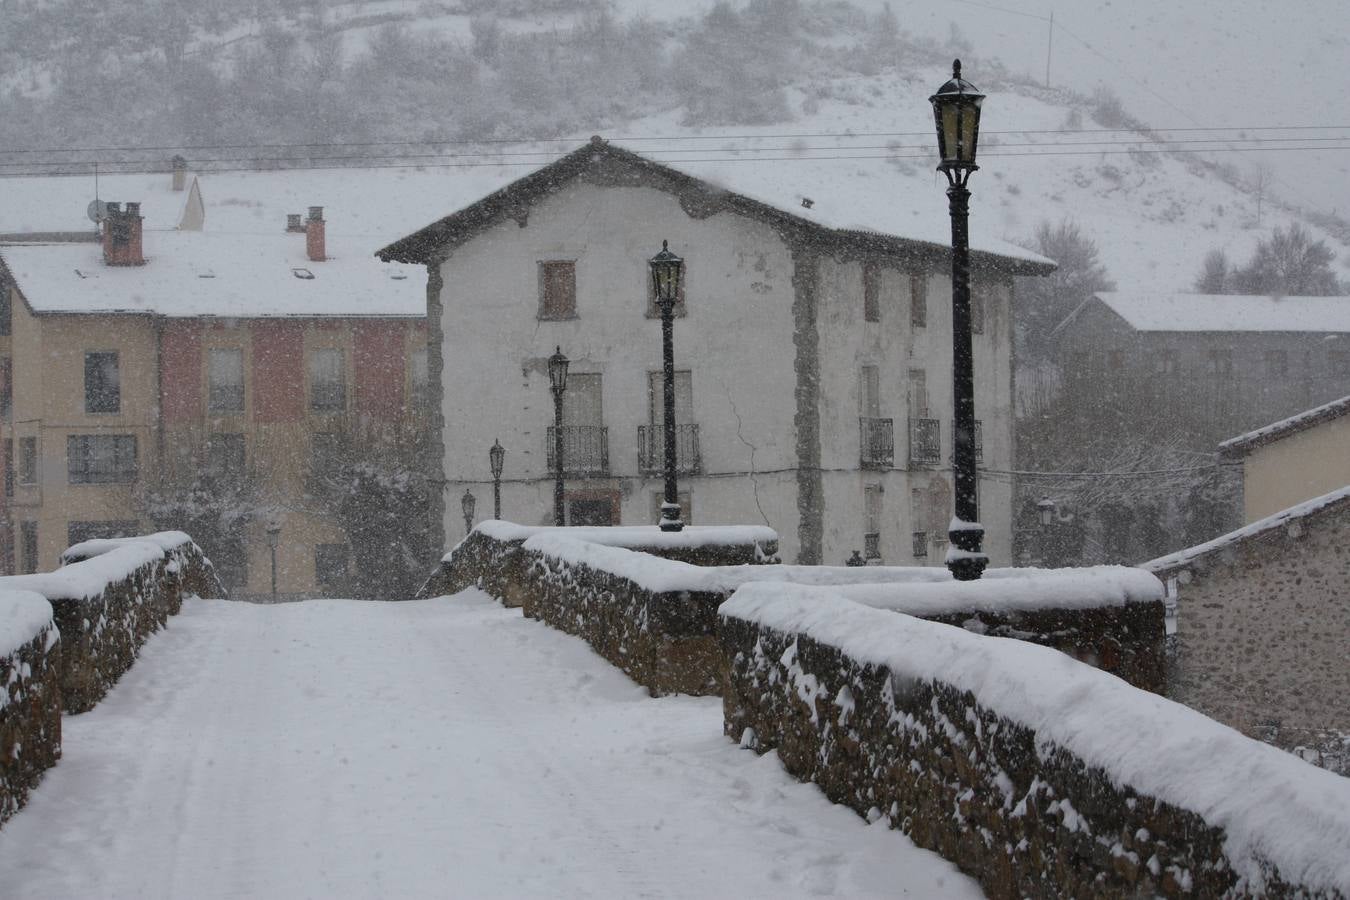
{"x": 428, "y": 749}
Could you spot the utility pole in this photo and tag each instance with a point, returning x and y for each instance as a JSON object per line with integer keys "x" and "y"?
{"x": 1049, "y": 43}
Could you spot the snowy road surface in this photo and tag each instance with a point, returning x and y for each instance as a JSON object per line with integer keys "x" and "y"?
{"x": 446, "y": 748}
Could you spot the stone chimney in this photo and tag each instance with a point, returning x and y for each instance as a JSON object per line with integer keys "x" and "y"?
{"x": 122, "y": 236}
{"x": 314, "y": 235}
{"x": 293, "y": 224}
{"x": 179, "y": 173}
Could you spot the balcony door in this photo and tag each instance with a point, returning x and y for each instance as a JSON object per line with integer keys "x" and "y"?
{"x": 684, "y": 398}
{"x": 581, "y": 400}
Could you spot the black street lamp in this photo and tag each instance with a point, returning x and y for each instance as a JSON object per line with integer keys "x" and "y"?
{"x": 557, "y": 376}
{"x": 496, "y": 456}
{"x": 467, "y": 503}
{"x": 273, "y": 532}
{"x": 666, "y": 288}
{"x": 956, "y": 109}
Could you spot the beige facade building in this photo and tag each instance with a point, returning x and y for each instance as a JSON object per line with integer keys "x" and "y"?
{"x": 147, "y": 368}
{"x": 1293, "y": 460}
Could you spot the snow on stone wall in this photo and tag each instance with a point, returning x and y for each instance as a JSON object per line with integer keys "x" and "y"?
{"x": 1020, "y": 765}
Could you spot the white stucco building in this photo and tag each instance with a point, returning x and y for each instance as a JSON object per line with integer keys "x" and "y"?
{"x": 814, "y": 357}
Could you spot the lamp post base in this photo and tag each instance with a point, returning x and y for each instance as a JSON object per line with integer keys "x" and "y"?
{"x": 965, "y": 560}
{"x": 670, "y": 517}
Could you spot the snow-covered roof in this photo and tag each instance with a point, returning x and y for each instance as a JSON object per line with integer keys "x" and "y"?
{"x": 1245, "y": 443}
{"x": 204, "y": 273}
{"x": 856, "y": 201}
{"x": 1146, "y": 311}
{"x": 1172, "y": 562}
{"x": 60, "y": 203}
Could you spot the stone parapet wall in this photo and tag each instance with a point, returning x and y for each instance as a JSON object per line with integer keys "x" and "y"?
{"x": 1037, "y": 776}
{"x": 1263, "y": 622}
{"x": 109, "y": 598}
{"x": 30, "y": 696}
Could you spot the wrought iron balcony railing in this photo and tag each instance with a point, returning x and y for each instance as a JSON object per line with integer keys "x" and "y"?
{"x": 920, "y": 544}
{"x": 652, "y": 449}
{"x": 876, "y": 438}
{"x": 585, "y": 449}
{"x": 925, "y": 441}
{"x": 872, "y": 546}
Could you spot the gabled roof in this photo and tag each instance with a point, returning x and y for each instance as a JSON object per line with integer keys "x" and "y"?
{"x": 1245, "y": 443}
{"x": 1226, "y": 312}
{"x": 857, "y": 212}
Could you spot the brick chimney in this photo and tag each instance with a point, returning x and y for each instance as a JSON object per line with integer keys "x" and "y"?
{"x": 293, "y": 224}
{"x": 179, "y": 173}
{"x": 314, "y": 235}
{"x": 122, "y": 236}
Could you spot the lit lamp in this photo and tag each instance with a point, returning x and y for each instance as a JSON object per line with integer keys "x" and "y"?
{"x": 956, "y": 111}
{"x": 273, "y": 532}
{"x": 467, "y": 503}
{"x": 665, "y": 268}
{"x": 496, "y": 456}
{"x": 557, "y": 377}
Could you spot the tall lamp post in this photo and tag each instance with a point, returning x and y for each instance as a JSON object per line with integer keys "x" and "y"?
{"x": 466, "y": 505}
{"x": 273, "y": 539}
{"x": 956, "y": 110}
{"x": 496, "y": 456}
{"x": 557, "y": 376}
{"x": 665, "y": 268}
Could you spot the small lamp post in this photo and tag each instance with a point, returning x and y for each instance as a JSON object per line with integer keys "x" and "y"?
{"x": 665, "y": 268}
{"x": 496, "y": 456}
{"x": 273, "y": 532}
{"x": 956, "y": 110}
{"x": 557, "y": 376}
{"x": 467, "y": 503}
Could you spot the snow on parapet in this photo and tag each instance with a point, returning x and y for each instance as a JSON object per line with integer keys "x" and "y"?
{"x": 1243, "y": 443}
{"x": 167, "y": 541}
{"x": 914, "y": 590}
{"x": 23, "y": 616}
{"x": 691, "y": 537}
{"x": 1284, "y": 517}
{"x": 1287, "y": 813}
{"x": 90, "y": 577}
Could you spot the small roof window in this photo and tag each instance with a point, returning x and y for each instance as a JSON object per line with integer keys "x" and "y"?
{"x": 302, "y": 273}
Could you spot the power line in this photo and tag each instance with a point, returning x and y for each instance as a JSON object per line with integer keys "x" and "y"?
{"x": 130, "y": 148}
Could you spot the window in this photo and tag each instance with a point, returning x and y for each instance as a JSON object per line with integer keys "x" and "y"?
{"x": 6, "y": 388}
{"x": 1221, "y": 362}
{"x": 330, "y": 568}
{"x": 1340, "y": 362}
{"x": 77, "y": 532}
{"x": 420, "y": 383}
{"x": 654, "y": 311}
{"x": 225, "y": 381}
{"x": 686, "y": 507}
{"x": 225, "y": 455}
{"x": 1277, "y": 362}
{"x": 9, "y": 468}
{"x": 558, "y": 289}
{"x": 871, "y": 284}
{"x": 327, "y": 387}
{"x": 28, "y": 547}
{"x": 1165, "y": 362}
{"x": 102, "y": 383}
{"x": 917, "y": 519}
{"x": 869, "y": 392}
{"x": 101, "y": 458}
{"x": 918, "y": 301}
{"x": 28, "y": 460}
{"x": 976, "y": 311}
{"x": 656, "y": 398}
{"x": 872, "y": 521}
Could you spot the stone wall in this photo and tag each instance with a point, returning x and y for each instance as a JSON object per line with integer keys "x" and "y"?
{"x": 1263, "y": 622}
{"x": 1002, "y": 798}
{"x": 107, "y": 600}
{"x": 30, "y": 702}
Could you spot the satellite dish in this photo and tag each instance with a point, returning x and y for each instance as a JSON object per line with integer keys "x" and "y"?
{"x": 97, "y": 211}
